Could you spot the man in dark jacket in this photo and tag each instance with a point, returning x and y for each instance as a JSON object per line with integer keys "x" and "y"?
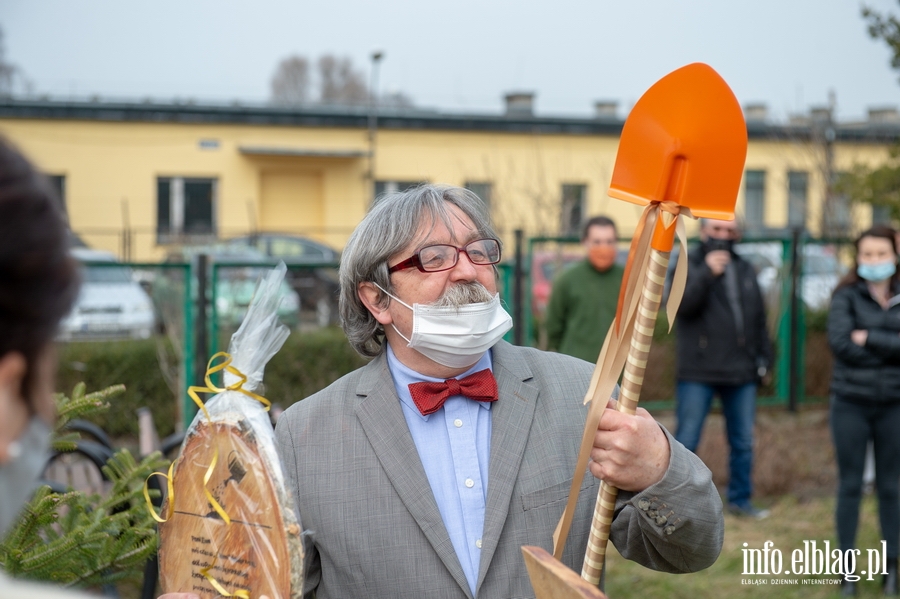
{"x": 724, "y": 349}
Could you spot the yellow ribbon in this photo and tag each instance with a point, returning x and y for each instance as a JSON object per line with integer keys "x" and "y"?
{"x": 614, "y": 352}
{"x": 193, "y": 393}
{"x": 212, "y": 388}
{"x": 170, "y": 487}
{"x": 241, "y": 593}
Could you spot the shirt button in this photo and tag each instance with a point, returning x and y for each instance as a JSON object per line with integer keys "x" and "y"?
{"x": 457, "y": 423}
{"x": 478, "y": 543}
{"x": 470, "y": 483}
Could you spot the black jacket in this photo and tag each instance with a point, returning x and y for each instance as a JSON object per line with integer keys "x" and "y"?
{"x": 710, "y": 347}
{"x": 870, "y": 373}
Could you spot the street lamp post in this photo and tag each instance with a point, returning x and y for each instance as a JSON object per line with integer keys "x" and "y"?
{"x": 373, "y": 118}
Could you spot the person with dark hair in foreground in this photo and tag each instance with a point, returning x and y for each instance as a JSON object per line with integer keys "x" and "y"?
{"x": 424, "y": 472}
{"x": 38, "y": 285}
{"x": 864, "y": 335}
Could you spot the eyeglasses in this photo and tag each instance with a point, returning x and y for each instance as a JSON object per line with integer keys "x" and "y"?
{"x": 435, "y": 258}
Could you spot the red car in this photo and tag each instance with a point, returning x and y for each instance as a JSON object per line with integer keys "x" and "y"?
{"x": 545, "y": 266}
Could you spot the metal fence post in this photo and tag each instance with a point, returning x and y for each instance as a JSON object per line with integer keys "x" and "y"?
{"x": 214, "y": 316}
{"x": 795, "y": 376}
{"x": 187, "y": 405}
{"x": 197, "y": 329}
{"x": 519, "y": 323}
{"x": 202, "y": 321}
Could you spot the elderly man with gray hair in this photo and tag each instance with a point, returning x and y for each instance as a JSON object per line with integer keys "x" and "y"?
{"x": 424, "y": 472}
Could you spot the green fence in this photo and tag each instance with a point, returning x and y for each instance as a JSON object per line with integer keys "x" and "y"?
{"x": 200, "y": 304}
{"x": 818, "y": 266}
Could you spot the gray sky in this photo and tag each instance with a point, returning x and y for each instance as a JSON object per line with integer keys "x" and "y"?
{"x": 458, "y": 56}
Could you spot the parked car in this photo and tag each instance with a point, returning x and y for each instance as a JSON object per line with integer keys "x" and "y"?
{"x": 290, "y": 248}
{"x": 545, "y": 266}
{"x": 111, "y": 303}
{"x": 821, "y": 271}
{"x": 311, "y": 269}
{"x": 236, "y": 278}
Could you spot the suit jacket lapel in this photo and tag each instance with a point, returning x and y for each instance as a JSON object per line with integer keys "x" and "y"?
{"x": 382, "y": 420}
{"x": 510, "y": 423}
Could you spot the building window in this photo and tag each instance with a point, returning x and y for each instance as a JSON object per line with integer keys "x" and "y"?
{"x": 754, "y": 200}
{"x": 385, "y": 187}
{"x": 185, "y": 210}
{"x": 482, "y": 190}
{"x": 798, "y": 181}
{"x": 574, "y": 198}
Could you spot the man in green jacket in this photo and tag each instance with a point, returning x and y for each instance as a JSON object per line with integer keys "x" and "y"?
{"x": 583, "y": 299}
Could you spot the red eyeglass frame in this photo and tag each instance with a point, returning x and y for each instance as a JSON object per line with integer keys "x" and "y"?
{"x": 414, "y": 260}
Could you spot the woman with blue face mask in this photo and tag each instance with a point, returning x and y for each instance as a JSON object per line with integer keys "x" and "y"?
{"x": 864, "y": 335}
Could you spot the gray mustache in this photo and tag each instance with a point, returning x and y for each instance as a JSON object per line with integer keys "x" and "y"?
{"x": 464, "y": 293}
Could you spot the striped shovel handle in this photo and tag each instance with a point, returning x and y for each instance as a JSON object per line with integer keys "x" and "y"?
{"x": 630, "y": 392}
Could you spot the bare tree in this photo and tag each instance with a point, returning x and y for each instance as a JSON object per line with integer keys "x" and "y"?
{"x": 7, "y": 71}
{"x": 395, "y": 99}
{"x": 290, "y": 84}
{"x": 340, "y": 82}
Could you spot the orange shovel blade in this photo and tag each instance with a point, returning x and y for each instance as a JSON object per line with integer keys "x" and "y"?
{"x": 685, "y": 141}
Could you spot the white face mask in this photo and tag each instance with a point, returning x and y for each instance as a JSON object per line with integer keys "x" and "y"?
{"x": 456, "y": 337}
{"x": 18, "y": 477}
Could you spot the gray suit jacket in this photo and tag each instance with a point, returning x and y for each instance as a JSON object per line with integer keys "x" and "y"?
{"x": 372, "y": 527}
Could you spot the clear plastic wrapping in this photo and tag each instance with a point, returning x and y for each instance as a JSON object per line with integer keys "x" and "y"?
{"x": 233, "y": 529}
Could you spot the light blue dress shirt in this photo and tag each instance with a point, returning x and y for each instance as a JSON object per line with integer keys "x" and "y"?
{"x": 461, "y": 430}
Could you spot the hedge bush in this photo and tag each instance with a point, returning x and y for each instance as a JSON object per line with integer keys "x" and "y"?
{"x": 132, "y": 363}
{"x": 308, "y": 362}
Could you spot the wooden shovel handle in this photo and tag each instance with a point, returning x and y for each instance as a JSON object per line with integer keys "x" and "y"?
{"x": 630, "y": 392}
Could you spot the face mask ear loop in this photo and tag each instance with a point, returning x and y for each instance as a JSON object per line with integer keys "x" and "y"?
{"x": 402, "y": 302}
{"x": 401, "y": 334}
{"x": 384, "y": 291}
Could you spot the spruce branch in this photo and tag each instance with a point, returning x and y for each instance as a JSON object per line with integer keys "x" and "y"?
{"x": 80, "y": 539}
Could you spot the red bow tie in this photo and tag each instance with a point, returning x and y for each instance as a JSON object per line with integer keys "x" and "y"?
{"x": 429, "y": 397}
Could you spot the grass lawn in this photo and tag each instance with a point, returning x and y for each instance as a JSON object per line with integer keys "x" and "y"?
{"x": 794, "y": 476}
{"x": 790, "y": 523}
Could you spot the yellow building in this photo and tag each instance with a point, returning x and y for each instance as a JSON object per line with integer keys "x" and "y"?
{"x": 138, "y": 178}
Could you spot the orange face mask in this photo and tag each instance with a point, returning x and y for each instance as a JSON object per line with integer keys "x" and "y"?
{"x": 602, "y": 257}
